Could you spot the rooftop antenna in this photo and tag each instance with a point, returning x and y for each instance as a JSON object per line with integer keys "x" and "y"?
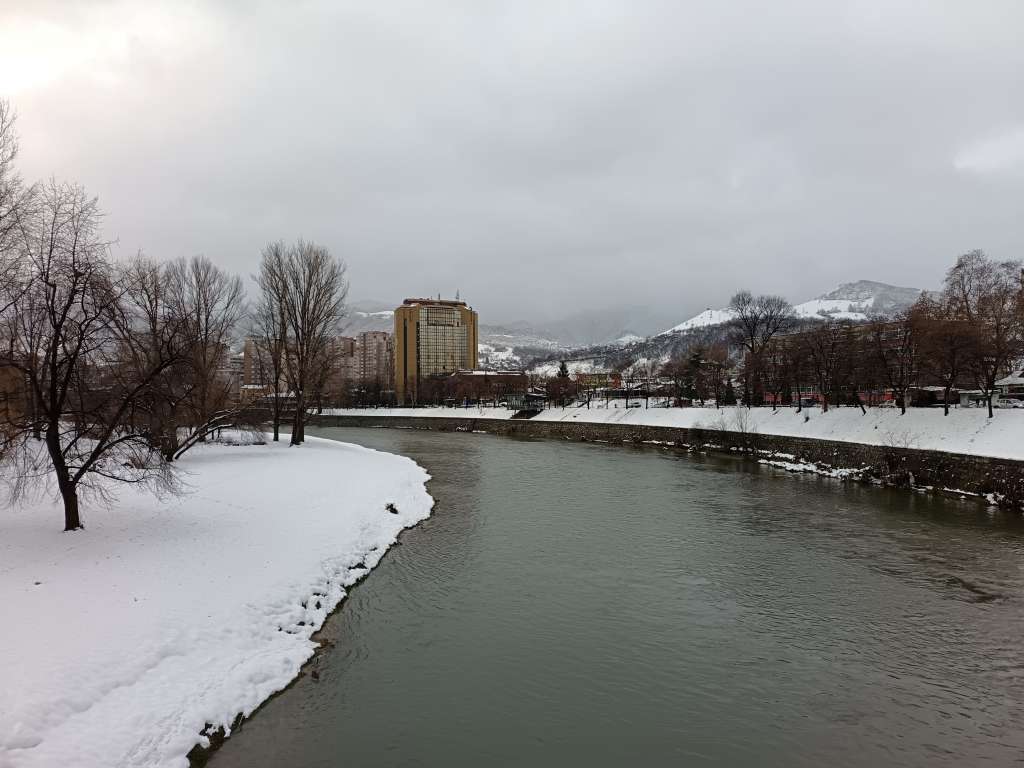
{"x": 457, "y": 294}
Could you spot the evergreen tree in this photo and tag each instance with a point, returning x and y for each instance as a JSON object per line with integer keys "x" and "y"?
{"x": 729, "y": 398}
{"x": 692, "y": 375}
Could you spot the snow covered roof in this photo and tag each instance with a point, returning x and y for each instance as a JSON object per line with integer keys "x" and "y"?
{"x": 1014, "y": 378}
{"x": 481, "y": 372}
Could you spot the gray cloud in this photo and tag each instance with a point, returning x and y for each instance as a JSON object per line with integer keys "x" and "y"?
{"x": 540, "y": 156}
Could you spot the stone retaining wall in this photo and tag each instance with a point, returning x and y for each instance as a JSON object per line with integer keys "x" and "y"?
{"x": 1002, "y": 478}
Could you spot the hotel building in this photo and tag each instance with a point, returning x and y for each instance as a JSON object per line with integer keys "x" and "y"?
{"x": 433, "y": 337}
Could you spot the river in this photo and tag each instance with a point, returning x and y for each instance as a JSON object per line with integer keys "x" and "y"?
{"x": 596, "y": 605}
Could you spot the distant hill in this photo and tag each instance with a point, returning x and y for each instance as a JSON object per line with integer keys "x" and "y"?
{"x": 855, "y": 301}
{"x": 850, "y": 301}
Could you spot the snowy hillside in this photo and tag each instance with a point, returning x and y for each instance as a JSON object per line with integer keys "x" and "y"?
{"x": 703, "y": 320}
{"x": 369, "y": 316}
{"x": 850, "y": 301}
{"x": 880, "y": 298}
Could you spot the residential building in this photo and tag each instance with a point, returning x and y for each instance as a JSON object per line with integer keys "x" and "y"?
{"x": 487, "y": 385}
{"x": 1012, "y": 386}
{"x": 13, "y": 396}
{"x": 433, "y": 337}
{"x": 591, "y": 380}
{"x": 375, "y": 359}
{"x": 252, "y": 376}
{"x": 339, "y": 373}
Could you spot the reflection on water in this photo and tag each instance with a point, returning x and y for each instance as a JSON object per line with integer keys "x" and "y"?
{"x": 595, "y": 605}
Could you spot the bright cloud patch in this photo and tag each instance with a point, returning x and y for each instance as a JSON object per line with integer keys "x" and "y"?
{"x": 1001, "y": 154}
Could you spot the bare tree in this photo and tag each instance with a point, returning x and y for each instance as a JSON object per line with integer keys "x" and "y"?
{"x": 715, "y": 375}
{"x": 16, "y": 200}
{"x": 894, "y": 346}
{"x": 756, "y": 322}
{"x": 859, "y": 366}
{"x": 777, "y": 373}
{"x": 795, "y": 360}
{"x": 988, "y": 295}
{"x": 87, "y": 361}
{"x": 946, "y": 341}
{"x": 147, "y": 297}
{"x": 308, "y": 289}
{"x": 823, "y": 348}
{"x": 211, "y": 304}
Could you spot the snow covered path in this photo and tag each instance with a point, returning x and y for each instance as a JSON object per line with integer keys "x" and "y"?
{"x": 965, "y": 430}
{"x": 122, "y": 641}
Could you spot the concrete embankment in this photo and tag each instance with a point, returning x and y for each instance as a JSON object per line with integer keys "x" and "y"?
{"x": 1001, "y": 480}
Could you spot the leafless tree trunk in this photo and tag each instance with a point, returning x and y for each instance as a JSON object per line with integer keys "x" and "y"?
{"x": 267, "y": 346}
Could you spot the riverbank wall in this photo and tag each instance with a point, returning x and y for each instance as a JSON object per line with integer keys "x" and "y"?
{"x": 1000, "y": 480}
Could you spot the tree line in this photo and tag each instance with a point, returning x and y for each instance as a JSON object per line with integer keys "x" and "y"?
{"x": 968, "y": 335}
{"x": 110, "y": 370}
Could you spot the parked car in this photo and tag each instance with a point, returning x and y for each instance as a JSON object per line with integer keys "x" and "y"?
{"x": 1007, "y": 403}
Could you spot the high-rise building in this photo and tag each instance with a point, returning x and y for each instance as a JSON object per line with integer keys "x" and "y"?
{"x": 342, "y": 359}
{"x": 375, "y": 358}
{"x": 340, "y": 370}
{"x": 433, "y": 337}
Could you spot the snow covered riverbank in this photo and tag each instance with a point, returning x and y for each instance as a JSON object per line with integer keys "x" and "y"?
{"x": 123, "y": 641}
{"x": 965, "y": 430}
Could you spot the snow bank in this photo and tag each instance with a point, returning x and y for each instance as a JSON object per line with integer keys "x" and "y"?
{"x": 122, "y": 641}
{"x": 965, "y": 430}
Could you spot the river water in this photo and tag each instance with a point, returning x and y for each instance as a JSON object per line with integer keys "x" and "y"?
{"x": 595, "y": 605}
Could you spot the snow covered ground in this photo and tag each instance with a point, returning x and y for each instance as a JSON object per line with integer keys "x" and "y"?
{"x": 122, "y": 641}
{"x": 965, "y": 430}
{"x": 575, "y": 366}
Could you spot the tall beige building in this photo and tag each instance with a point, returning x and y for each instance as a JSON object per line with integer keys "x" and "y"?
{"x": 433, "y": 337}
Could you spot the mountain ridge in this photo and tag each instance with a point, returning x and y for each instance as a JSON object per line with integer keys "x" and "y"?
{"x": 856, "y": 300}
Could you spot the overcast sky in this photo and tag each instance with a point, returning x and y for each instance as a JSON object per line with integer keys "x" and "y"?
{"x": 539, "y": 156}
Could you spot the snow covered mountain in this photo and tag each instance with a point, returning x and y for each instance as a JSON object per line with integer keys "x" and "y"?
{"x": 879, "y": 298}
{"x": 850, "y": 301}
